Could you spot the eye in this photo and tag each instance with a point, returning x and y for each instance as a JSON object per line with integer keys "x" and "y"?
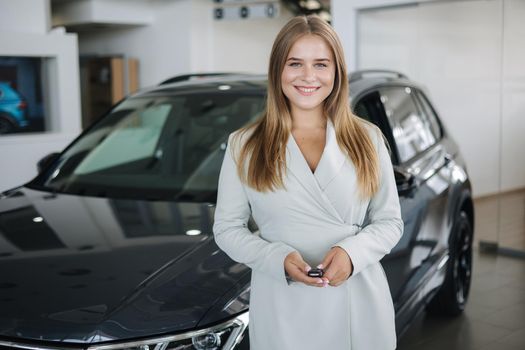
{"x": 322, "y": 65}
{"x": 293, "y": 63}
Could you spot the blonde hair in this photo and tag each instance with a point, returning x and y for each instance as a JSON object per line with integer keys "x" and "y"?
{"x": 266, "y": 145}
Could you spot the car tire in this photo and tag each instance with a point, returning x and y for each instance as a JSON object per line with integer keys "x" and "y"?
{"x": 6, "y": 126}
{"x": 451, "y": 298}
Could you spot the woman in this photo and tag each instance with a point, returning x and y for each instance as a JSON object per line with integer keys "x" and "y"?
{"x": 307, "y": 170}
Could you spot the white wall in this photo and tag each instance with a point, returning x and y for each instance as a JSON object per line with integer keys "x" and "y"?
{"x": 25, "y": 32}
{"x": 29, "y": 16}
{"x": 162, "y": 48}
{"x": 183, "y": 37}
{"x": 513, "y": 96}
{"x": 469, "y": 56}
{"x": 246, "y": 45}
{"x": 81, "y": 12}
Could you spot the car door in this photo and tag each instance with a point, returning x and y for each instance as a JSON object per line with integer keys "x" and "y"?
{"x": 397, "y": 264}
{"x": 414, "y": 150}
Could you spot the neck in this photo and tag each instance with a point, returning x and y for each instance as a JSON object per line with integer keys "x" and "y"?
{"x": 308, "y": 119}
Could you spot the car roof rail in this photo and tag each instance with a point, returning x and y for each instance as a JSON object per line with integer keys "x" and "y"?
{"x": 186, "y": 77}
{"x": 357, "y": 75}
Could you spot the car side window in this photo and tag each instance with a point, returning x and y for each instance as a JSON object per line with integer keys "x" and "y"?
{"x": 429, "y": 114}
{"x": 410, "y": 129}
{"x": 361, "y": 111}
{"x": 370, "y": 108}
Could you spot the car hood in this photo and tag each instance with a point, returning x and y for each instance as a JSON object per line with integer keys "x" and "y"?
{"x": 86, "y": 269}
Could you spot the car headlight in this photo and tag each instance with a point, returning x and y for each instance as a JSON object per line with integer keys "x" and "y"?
{"x": 224, "y": 336}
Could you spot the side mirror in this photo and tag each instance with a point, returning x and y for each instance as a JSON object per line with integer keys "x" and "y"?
{"x": 46, "y": 161}
{"x": 405, "y": 182}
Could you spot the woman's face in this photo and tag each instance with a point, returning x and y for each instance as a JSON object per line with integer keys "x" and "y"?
{"x": 308, "y": 75}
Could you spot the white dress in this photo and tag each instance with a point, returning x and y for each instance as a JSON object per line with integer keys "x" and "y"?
{"x": 316, "y": 212}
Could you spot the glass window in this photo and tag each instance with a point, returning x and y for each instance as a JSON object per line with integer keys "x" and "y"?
{"x": 361, "y": 111}
{"x": 134, "y": 139}
{"x": 370, "y": 108}
{"x": 23, "y": 98}
{"x": 409, "y": 128}
{"x": 155, "y": 146}
{"x": 430, "y": 115}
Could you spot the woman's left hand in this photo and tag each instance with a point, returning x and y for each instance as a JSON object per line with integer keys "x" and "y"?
{"x": 337, "y": 266}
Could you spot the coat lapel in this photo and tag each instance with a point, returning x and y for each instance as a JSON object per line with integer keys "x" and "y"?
{"x": 332, "y": 159}
{"x": 331, "y": 162}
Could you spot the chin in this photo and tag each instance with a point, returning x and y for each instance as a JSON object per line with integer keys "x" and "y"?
{"x": 306, "y": 107}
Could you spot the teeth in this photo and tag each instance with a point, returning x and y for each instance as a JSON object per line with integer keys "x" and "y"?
{"x": 307, "y": 90}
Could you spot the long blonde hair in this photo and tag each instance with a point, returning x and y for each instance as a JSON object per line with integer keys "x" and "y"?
{"x": 266, "y": 145}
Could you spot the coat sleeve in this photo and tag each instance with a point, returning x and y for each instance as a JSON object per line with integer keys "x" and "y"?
{"x": 385, "y": 226}
{"x": 230, "y": 229}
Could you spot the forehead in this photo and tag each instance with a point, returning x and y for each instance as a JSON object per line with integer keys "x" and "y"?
{"x": 310, "y": 45}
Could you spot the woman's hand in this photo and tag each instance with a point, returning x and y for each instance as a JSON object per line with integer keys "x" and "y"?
{"x": 337, "y": 266}
{"x": 297, "y": 269}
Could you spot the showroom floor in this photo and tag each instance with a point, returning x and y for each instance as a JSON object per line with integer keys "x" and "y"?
{"x": 494, "y": 318}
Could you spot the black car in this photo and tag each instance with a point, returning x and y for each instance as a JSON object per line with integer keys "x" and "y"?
{"x": 111, "y": 245}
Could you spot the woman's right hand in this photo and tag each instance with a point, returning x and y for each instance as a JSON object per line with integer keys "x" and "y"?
{"x": 298, "y": 269}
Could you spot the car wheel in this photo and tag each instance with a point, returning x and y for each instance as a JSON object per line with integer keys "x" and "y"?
{"x": 452, "y": 296}
{"x": 6, "y": 126}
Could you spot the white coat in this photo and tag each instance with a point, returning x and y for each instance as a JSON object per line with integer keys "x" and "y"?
{"x": 318, "y": 211}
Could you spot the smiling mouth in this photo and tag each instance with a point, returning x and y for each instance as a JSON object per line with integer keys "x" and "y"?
{"x": 307, "y": 90}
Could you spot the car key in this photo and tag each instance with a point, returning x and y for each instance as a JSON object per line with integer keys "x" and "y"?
{"x": 315, "y": 272}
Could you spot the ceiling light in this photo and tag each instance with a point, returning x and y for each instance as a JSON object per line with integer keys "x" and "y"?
{"x": 311, "y": 4}
{"x": 325, "y": 16}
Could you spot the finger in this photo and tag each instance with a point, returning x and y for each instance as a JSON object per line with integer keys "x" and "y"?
{"x": 299, "y": 275}
{"x": 300, "y": 264}
{"x": 309, "y": 280}
{"x": 330, "y": 272}
{"x": 312, "y": 281}
{"x": 306, "y": 267}
{"x": 328, "y": 258}
{"x": 339, "y": 282}
{"x": 338, "y": 279}
{"x": 303, "y": 265}
{"x": 325, "y": 280}
{"x": 315, "y": 282}
{"x": 335, "y": 284}
{"x": 335, "y": 273}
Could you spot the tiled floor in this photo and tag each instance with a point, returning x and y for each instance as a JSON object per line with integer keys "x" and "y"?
{"x": 494, "y": 318}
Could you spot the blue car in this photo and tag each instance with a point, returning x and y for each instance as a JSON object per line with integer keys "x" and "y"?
{"x": 13, "y": 109}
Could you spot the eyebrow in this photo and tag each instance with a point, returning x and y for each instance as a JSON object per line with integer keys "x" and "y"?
{"x": 298, "y": 59}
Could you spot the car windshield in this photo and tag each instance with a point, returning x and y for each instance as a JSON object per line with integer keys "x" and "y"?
{"x": 155, "y": 147}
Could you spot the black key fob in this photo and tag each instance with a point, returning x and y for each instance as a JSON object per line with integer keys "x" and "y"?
{"x": 315, "y": 272}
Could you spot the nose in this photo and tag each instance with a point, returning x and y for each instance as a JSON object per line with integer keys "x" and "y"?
{"x": 309, "y": 73}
